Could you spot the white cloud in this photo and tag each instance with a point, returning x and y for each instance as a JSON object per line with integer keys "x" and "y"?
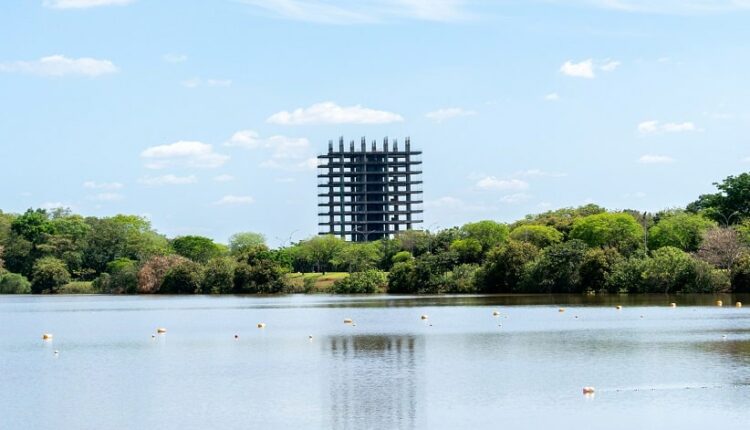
{"x": 441, "y": 115}
{"x": 348, "y": 12}
{"x": 103, "y": 185}
{"x": 493, "y": 183}
{"x": 168, "y": 180}
{"x": 60, "y": 65}
{"x": 183, "y": 154}
{"x": 655, "y": 159}
{"x": 609, "y": 66}
{"x": 107, "y": 197}
{"x": 281, "y": 146}
{"x": 552, "y": 97}
{"x": 584, "y": 69}
{"x": 234, "y": 200}
{"x": 174, "y": 58}
{"x": 191, "y": 83}
{"x": 515, "y": 198}
{"x": 653, "y": 126}
{"x": 223, "y": 178}
{"x": 83, "y": 4}
{"x": 331, "y": 113}
{"x": 55, "y": 205}
{"x": 587, "y": 68}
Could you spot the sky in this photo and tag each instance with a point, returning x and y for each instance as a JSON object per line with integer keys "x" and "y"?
{"x": 206, "y": 116}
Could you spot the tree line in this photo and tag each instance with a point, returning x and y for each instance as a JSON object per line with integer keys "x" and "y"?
{"x": 704, "y": 247}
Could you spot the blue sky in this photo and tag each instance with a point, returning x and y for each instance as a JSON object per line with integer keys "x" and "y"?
{"x": 206, "y": 116}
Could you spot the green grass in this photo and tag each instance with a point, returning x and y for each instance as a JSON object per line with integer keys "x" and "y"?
{"x": 321, "y": 282}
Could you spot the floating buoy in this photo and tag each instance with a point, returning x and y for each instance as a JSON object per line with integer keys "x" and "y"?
{"x": 153, "y": 336}
{"x": 236, "y": 336}
{"x": 348, "y": 321}
{"x": 161, "y": 330}
{"x": 576, "y": 316}
{"x": 309, "y": 337}
{"x": 588, "y": 390}
{"x": 424, "y": 317}
{"x": 495, "y": 313}
{"x": 719, "y": 303}
{"x": 261, "y": 325}
{"x": 618, "y": 307}
{"x": 673, "y": 305}
{"x": 561, "y": 310}
{"x": 738, "y": 305}
{"x": 57, "y": 352}
{"x": 47, "y": 336}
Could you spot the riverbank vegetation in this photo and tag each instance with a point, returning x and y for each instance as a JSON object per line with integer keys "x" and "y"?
{"x": 702, "y": 248}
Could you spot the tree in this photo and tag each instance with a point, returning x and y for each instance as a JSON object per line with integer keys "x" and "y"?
{"x": 402, "y": 257}
{"x": 504, "y": 267}
{"x": 682, "y": 230}
{"x": 366, "y": 282}
{"x": 121, "y": 277}
{"x": 33, "y": 225}
{"x": 557, "y": 269}
{"x": 319, "y": 251}
{"x": 596, "y": 267}
{"x": 730, "y": 205}
{"x": 462, "y": 279}
{"x": 617, "y": 230}
{"x": 540, "y": 236}
{"x": 197, "y": 248}
{"x": 627, "y": 275}
{"x": 153, "y": 271}
{"x": 668, "y": 270}
{"x": 561, "y": 219}
{"x": 721, "y": 247}
{"x": 264, "y": 276}
{"x": 218, "y": 277}
{"x": 183, "y": 278}
{"x": 468, "y": 250}
{"x": 488, "y": 233}
{"x": 356, "y": 257}
{"x": 14, "y": 283}
{"x": 239, "y": 242}
{"x": 48, "y": 274}
{"x": 417, "y": 242}
{"x": 401, "y": 278}
{"x": 121, "y": 236}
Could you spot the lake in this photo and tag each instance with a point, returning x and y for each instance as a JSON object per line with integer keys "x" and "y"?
{"x": 653, "y": 366}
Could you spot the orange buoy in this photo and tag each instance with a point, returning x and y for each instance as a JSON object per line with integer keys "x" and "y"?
{"x": 738, "y": 305}
{"x": 261, "y": 325}
{"x": 673, "y": 305}
{"x": 47, "y": 336}
{"x": 719, "y": 303}
{"x": 424, "y": 317}
{"x": 561, "y": 310}
{"x": 588, "y": 390}
{"x": 348, "y": 321}
{"x": 618, "y": 307}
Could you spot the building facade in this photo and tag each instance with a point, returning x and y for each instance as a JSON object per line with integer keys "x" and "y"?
{"x": 368, "y": 195}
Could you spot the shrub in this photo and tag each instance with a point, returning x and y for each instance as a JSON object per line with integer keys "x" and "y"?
{"x": 461, "y": 280}
{"x": 121, "y": 277}
{"x": 152, "y": 272}
{"x": 218, "y": 277}
{"x": 78, "y": 287}
{"x": 14, "y": 283}
{"x": 48, "y": 274}
{"x": 401, "y": 278}
{"x": 402, "y": 257}
{"x": 503, "y": 269}
{"x": 540, "y": 236}
{"x": 367, "y": 282}
{"x": 264, "y": 276}
{"x": 184, "y": 278}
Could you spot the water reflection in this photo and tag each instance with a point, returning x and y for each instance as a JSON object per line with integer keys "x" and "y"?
{"x": 373, "y": 379}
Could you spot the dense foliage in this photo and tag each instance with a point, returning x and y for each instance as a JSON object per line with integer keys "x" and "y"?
{"x": 702, "y": 248}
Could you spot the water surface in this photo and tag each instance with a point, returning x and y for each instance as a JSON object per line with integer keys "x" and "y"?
{"x": 652, "y": 366}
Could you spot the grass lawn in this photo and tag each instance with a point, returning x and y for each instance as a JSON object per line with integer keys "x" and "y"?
{"x": 322, "y": 281}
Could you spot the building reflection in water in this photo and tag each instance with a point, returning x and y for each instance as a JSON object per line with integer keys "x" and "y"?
{"x": 373, "y": 381}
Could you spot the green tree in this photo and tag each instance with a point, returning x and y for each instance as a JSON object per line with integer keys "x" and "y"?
{"x": 504, "y": 267}
{"x": 468, "y": 250}
{"x": 152, "y": 272}
{"x": 627, "y": 275}
{"x": 48, "y": 274}
{"x": 320, "y": 251}
{"x": 239, "y": 242}
{"x": 121, "y": 236}
{"x": 14, "y": 283}
{"x": 356, "y": 257}
{"x": 617, "y": 230}
{"x": 366, "y": 282}
{"x": 540, "y": 236}
{"x": 417, "y": 242}
{"x": 561, "y": 219}
{"x": 668, "y": 270}
{"x": 401, "y": 279}
{"x": 681, "y": 230}
{"x": 489, "y": 233}
{"x": 33, "y": 225}
{"x": 121, "y": 277}
{"x": 402, "y": 257}
{"x": 731, "y": 205}
{"x": 218, "y": 276}
{"x": 197, "y": 248}
{"x": 557, "y": 269}
{"x": 462, "y": 279}
{"x": 596, "y": 267}
{"x": 183, "y": 278}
